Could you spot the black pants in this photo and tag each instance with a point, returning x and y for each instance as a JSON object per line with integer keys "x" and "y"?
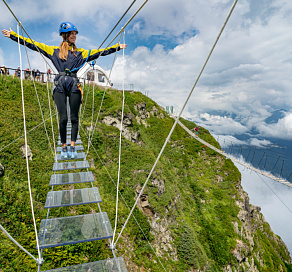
{"x": 74, "y": 102}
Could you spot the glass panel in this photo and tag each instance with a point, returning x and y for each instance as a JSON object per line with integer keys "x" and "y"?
{"x": 72, "y": 197}
{"x": 80, "y": 156}
{"x": 62, "y": 179}
{"x": 69, "y": 137}
{"x": 69, "y": 142}
{"x": 110, "y": 265}
{"x": 58, "y": 166}
{"x": 77, "y": 148}
{"x": 74, "y": 229}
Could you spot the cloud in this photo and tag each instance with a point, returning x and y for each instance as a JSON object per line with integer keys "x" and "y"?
{"x": 32, "y": 11}
{"x": 222, "y": 125}
{"x": 259, "y": 143}
{"x": 282, "y": 129}
{"x": 226, "y": 140}
{"x": 248, "y": 74}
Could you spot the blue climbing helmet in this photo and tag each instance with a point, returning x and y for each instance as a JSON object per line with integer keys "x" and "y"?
{"x": 67, "y": 27}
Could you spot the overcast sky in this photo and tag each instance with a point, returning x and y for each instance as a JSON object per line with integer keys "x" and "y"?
{"x": 248, "y": 74}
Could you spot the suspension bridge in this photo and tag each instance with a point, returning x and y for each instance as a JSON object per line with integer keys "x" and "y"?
{"x": 55, "y": 232}
{"x": 247, "y": 165}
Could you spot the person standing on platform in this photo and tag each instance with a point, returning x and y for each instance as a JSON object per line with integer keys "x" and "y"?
{"x": 67, "y": 59}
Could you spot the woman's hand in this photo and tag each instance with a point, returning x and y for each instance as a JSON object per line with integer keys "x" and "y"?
{"x": 7, "y": 32}
{"x": 122, "y": 46}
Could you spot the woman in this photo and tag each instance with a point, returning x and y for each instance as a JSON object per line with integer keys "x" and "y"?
{"x": 67, "y": 59}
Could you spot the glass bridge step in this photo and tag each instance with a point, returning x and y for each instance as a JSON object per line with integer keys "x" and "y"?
{"x": 69, "y": 137}
{"x": 74, "y": 229}
{"x": 80, "y": 156}
{"x": 69, "y": 142}
{"x": 71, "y": 178}
{"x": 77, "y": 148}
{"x": 109, "y": 265}
{"x": 73, "y": 165}
{"x": 72, "y": 197}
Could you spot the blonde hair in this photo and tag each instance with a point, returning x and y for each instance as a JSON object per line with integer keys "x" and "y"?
{"x": 64, "y": 47}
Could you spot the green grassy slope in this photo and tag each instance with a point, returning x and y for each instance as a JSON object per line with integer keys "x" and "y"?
{"x": 191, "y": 217}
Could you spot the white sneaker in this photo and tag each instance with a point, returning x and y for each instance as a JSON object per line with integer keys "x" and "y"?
{"x": 64, "y": 153}
{"x": 73, "y": 153}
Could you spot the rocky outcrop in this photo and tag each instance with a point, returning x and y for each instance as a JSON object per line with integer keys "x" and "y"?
{"x": 127, "y": 132}
{"x": 251, "y": 220}
{"x": 143, "y": 203}
{"x": 159, "y": 183}
{"x": 143, "y": 114}
{"x": 23, "y": 152}
{"x": 141, "y": 117}
{"x": 164, "y": 242}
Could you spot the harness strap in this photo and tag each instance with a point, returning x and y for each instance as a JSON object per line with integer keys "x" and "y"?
{"x": 76, "y": 83}
{"x": 68, "y": 73}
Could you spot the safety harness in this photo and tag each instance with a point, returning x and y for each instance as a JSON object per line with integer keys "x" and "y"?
{"x": 75, "y": 82}
{"x": 72, "y": 73}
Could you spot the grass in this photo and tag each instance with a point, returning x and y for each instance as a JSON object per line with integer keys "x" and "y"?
{"x": 196, "y": 208}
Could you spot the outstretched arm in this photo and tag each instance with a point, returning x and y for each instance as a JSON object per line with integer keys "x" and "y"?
{"x": 6, "y": 33}
{"x": 95, "y": 53}
{"x": 122, "y": 46}
{"x": 46, "y": 50}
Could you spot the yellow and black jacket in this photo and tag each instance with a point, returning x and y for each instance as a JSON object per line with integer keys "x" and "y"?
{"x": 52, "y": 53}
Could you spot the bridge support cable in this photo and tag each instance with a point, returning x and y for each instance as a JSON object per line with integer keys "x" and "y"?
{"x": 110, "y": 73}
{"x": 27, "y": 132}
{"x": 289, "y": 176}
{"x": 176, "y": 121}
{"x": 101, "y": 103}
{"x": 82, "y": 110}
{"x": 275, "y": 163}
{"x": 122, "y": 29}
{"x": 91, "y": 123}
{"x": 52, "y": 125}
{"x": 26, "y": 150}
{"x": 103, "y": 164}
{"x": 120, "y": 143}
{"x": 265, "y": 162}
{"x": 261, "y": 159}
{"x": 16, "y": 243}
{"x": 275, "y": 193}
{"x": 19, "y": 23}
{"x": 117, "y": 23}
{"x": 282, "y": 168}
{"x": 39, "y": 103}
{"x": 253, "y": 156}
{"x": 248, "y": 153}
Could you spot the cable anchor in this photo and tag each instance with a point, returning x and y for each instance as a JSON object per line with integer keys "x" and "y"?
{"x": 39, "y": 261}
{"x": 112, "y": 246}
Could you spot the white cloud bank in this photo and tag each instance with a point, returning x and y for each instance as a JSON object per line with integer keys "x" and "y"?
{"x": 248, "y": 74}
